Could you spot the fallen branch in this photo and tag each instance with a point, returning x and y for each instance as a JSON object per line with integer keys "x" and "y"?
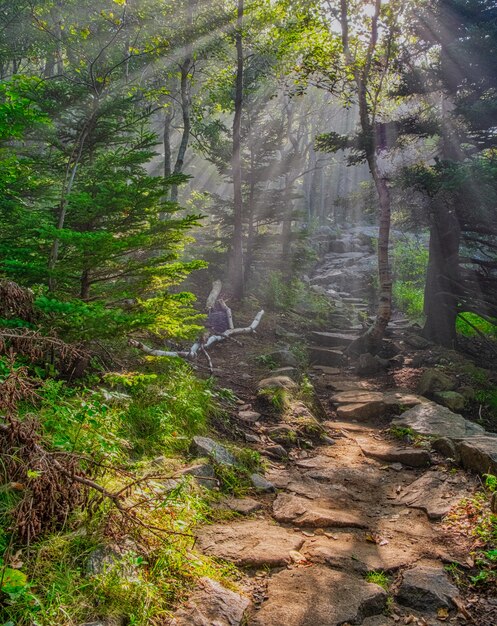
{"x": 200, "y": 346}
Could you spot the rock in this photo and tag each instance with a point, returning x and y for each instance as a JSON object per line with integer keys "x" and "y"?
{"x": 204, "y": 475}
{"x": 357, "y": 396}
{"x": 250, "y": 543}
{"x": 493, "y": 503}
{"x": 244, "y": 506}
{"x": 451, "y": 399}
{"x": 379, "y": 620}
{"x": 208, "y": 447}
{"x": 326, "y": 356}
{"x": 433, "y": 380}
{"x": 426, "y": 588}
{"x": 368, "y": 365}
{"x": 283, "y": 434}
{"x": 411, "y": 457}
{"x": 290, "y": 372}
{"x": 249, "y": 416}
{"x": 479, "y": 453}
{"x": 433, "y": 493}
{"x": 283, "y": 358}
{"x": 447, "y": 448}
{"x": 332, "y": 340}
{"x": 436, "y": 420}
{"x": 288, "y": 508}
{"x": 361, "y": 411}
{"x": 467, "y": 392}
{"x": 251, "y": 438}
{"x": 352, "y": 553}
{"x": 329, "y": 371}
{"x": 260, "y": 483}
{"x": 212, "y": 604}
{"x": 277, "y": 382}
{"x": 276, "y": 451}
{"x": 101, "y": 559}
{"x": 418, "y": 342}
{"x": 318, "y": 596}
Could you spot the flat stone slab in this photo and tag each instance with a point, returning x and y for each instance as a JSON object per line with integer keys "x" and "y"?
{"x": 326, "y": 356}
{"x": 351, "y": 552}
{"x": 332, "y": 340}
{"x": 479, "y": 453}
{"x": 426, "y": 588}
{"x": 436, "y": 420}
{"x": 411, "y": 457}
{"x": 357, "y": 396}
{"x": 433, "y": 493}
{"x": 361, "y": 410}
{"x": 255, "y": 543}
{"x": 211, "y": 603}
{"x": 301, "y": 512}
{"x": 318, "y": 596}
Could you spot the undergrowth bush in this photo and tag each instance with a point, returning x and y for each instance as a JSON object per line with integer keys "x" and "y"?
{"x": 409, "y": 264}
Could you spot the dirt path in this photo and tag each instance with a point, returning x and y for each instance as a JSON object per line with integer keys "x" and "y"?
{"x": 348, "y": 532}
{"x": 341, "y": 512}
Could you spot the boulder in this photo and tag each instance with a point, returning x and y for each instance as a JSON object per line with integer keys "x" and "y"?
{"x": 318, "y": 596}
{"x": 479, "y": 453}
{"x": 290, "y": 372}
{"x": 433, "y": 380}
{"x": 368, "y": 364}
{"x": 433, "y": 493}
{"x": 283, "y": 358}
{"x": 211, "y": 603}
{"x": 249, "y": 416}
{"x": 438, "y": 421}
{"x": 206, "y": 446}
{"x": 204, "y": 475}
{"x": 447, "y": 448}
{"x": 260, "y": 483}
{"x": 277, "y": 382}
{"x": 426, "y": 588}
{"x": 451, "y": 399}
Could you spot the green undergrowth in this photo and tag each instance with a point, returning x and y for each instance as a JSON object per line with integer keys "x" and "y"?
{"x": 474, "y": 517}
{"x": 295, "y": 296}
{"x": 378, "y": 578}
{"x": 125, "y": 427}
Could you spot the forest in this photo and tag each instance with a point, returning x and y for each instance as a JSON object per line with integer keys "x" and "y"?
{"x": 248, "y": 312}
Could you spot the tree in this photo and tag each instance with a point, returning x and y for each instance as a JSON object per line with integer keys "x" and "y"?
{"x": 450, "y": 73}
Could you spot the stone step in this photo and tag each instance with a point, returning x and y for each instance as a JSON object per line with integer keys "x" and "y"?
{"x": 326, "y": 356}
{"x": 332, "y": 340}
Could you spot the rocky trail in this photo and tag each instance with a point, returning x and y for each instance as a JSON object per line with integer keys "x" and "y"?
{"x": 346, "y": 504}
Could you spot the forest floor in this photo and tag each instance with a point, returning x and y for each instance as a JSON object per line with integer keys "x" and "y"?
{"x": 360, "y": 523}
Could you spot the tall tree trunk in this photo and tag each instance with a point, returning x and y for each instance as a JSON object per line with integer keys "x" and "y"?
{"x": 441, "y": 300}
{"x": 371, "y": 340}
{"x": 236, "y": 261}
{"x": 186, "y": 103}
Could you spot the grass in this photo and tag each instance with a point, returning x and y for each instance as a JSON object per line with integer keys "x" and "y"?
{"x": 378, "y": 578}
{"x": 156, "y": 412}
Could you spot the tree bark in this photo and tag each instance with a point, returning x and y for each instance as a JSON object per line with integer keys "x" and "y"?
{"x": 236, "y": 263}
{"x": 441, "y": 300}
{"x": 371, "y": 341}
